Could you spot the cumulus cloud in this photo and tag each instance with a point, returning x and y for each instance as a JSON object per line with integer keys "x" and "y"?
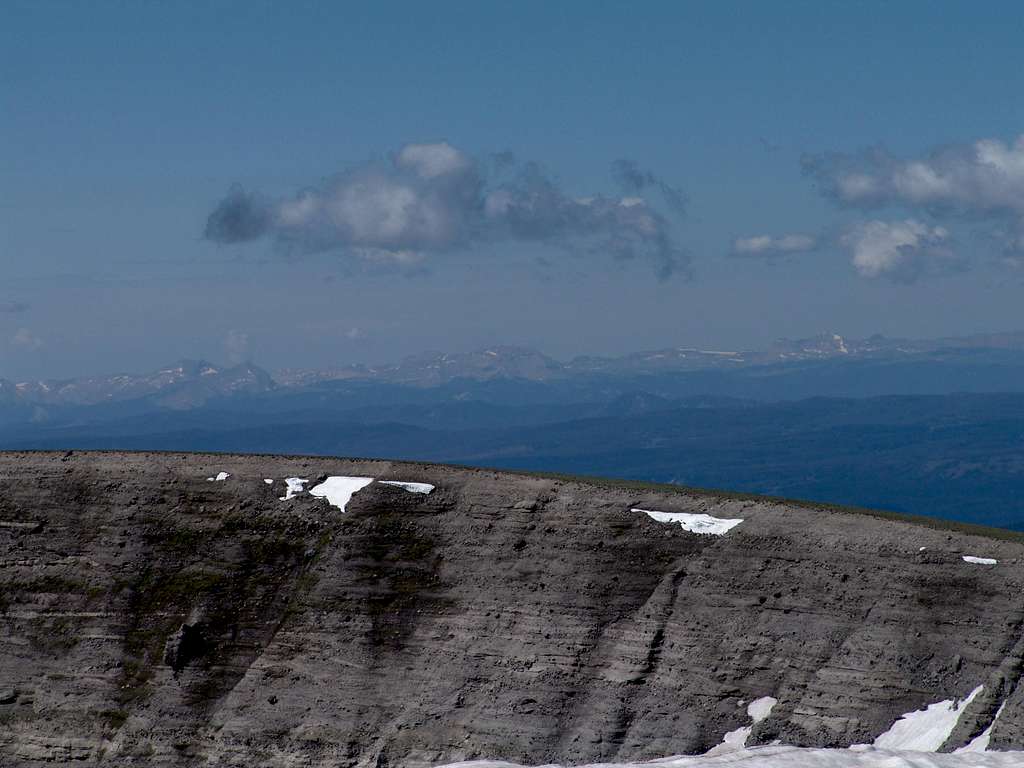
{"x": 433, "y": 198}
{"x": 770, "y": 246}
{"x": 900, "y": 250}
{"x": 13, "y": 307}
{"x": 984, "y": 178}
{"x": 26, "y": 339}
{"x": 982, "y": 181}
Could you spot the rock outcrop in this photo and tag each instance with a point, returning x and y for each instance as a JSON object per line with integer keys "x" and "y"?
{"x": 149, "y": 616}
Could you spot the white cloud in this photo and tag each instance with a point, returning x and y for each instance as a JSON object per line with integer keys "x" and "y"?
{"x": 982, "y": 182}
{"x": 774, "y": 245}
{"x": 983, "y": 178}
{"x": 26, "y": 339}
{"x": 433, "y": 198}
{"x": 901, "y": 250}
{"x": 432, "y": 160}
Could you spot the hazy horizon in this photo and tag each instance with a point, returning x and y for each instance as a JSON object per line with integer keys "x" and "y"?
{"x": 229, "y": 357}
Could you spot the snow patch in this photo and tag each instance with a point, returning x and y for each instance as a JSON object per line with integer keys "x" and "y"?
{"x": 694, "y": 523}
{"x": 804, "y": 757}
{"x": 759, "y": 709}
{"x": 980, "y": 560}
{"x": 268, "y": 480}
{"x": 338, "y": 489}
{"x": 980, "y": 742}
{"x": 734, "y": 741}
{"x": 410, "y": 487}
{"x": 220, "y": 478}
{"x": 926, "y": 729}
{"x": 294, "y": 487}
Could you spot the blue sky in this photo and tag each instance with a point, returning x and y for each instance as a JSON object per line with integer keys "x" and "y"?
{"x": 828, "y": 152}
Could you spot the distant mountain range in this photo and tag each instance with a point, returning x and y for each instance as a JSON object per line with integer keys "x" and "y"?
{"x": 994, "y": 361}
{"x": 930, "y": 427}
{"x": 435, "y": 368}
{"x": 182, "y": 385}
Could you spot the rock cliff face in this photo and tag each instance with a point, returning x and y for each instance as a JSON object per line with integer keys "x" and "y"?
{"x": 152, "y": 616}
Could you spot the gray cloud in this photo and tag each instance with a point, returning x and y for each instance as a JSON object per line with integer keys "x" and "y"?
{"x": 13, "y": 307}
{"x": 902, "y": 251}
{"x": 432, "y": 198}
{"x": 772, "y": 246}
{"x": 985, "y": 178}
{"x": 239, "y": 217}
{"x": 636, "y": 181}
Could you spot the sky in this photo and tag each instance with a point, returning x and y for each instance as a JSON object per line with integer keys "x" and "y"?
{"x": 313, "y": 184}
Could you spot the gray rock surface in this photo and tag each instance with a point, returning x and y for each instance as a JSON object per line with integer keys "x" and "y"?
{"x": 149, "y": 616}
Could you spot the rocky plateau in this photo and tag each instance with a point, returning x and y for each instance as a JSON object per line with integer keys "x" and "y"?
{"x": 152, "y": 614}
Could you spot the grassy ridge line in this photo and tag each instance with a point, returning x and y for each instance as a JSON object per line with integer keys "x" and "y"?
{"x": 936, "y": 523}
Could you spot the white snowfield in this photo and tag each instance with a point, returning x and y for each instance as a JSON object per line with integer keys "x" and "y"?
{"x": 294, "y": 487}
{"x": 980, "y": 560}
{"x": 423, "y": 488}
{"x": 220, "y": 478}
{"x": 338, "y": 489}
{"x": 926, "y": 730}
{"x": 803, "y": 757}
{"x": 694, "y": 523}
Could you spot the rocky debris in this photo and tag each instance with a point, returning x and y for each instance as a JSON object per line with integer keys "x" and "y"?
{"x": 158, "y": 619}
